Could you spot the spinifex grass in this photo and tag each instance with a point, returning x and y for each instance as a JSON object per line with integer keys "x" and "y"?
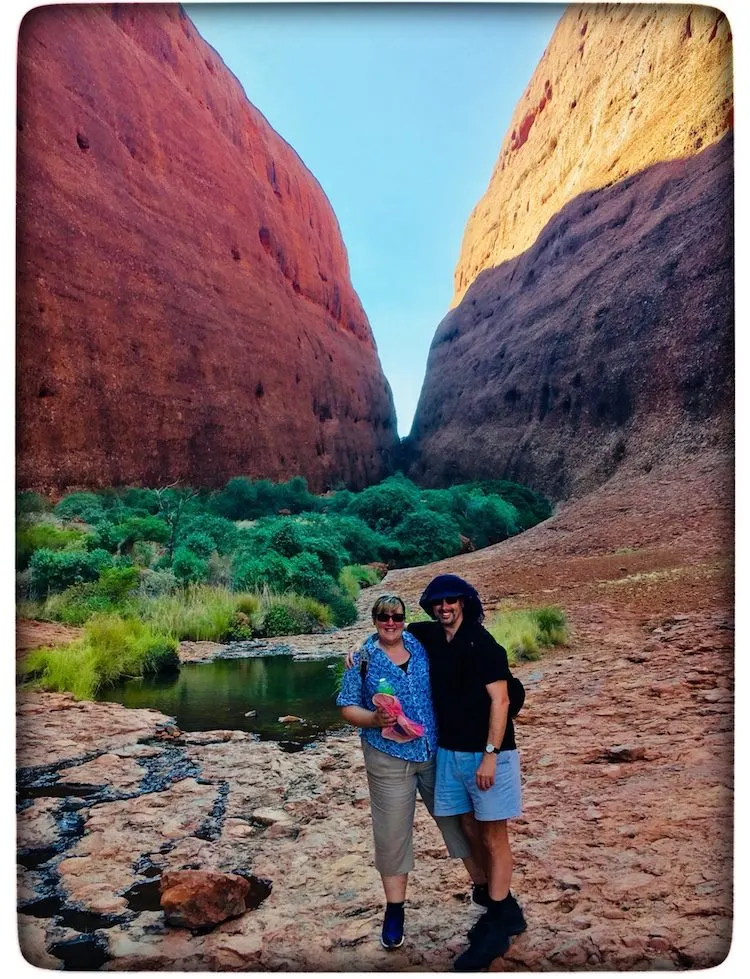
{"x": 110, "y": 649}
{"x": 198, "y": 612}
{"x": 523, "y": 632}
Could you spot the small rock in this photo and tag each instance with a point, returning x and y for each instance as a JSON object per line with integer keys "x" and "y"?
{"x": 267, "y": 816}
{"x": 291, "y": 719}
{"x": 251, "y": 713}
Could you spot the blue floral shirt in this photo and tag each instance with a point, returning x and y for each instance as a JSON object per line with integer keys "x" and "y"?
{"x": 412, "y": 687}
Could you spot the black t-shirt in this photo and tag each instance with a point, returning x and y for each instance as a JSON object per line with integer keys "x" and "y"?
{"x": 459, "y": 673}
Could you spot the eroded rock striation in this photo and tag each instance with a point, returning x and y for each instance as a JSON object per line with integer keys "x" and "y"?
{"x": 184, "y": 303}
{"x": 605, "y": 341}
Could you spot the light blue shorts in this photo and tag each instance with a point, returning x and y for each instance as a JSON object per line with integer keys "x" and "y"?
{"x": 456, "y": 789}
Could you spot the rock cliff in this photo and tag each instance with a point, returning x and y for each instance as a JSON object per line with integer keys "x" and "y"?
{"x": 596, "y": 332}
{"x": 619, "y": 88}
{"x": 184, "y": 303}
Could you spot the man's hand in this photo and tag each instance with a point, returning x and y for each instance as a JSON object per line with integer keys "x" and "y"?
{"x": 349, "y": 658}
{"x": 486, "y": 772}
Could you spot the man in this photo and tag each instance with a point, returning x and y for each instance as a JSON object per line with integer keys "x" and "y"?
{"x": 478, "y": 770}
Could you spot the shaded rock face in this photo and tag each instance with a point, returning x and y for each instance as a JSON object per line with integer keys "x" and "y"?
{"x": 184, "y": 303}
{"x": 619, "y": 88}
{"x": 607, "y": 344}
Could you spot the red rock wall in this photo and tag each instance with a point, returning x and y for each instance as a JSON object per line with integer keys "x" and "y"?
{"x": 619, "y": 88}
{"x": 593, "y": 330}
{"x": 606, "y": 346}
{"x": 184, "y": 303}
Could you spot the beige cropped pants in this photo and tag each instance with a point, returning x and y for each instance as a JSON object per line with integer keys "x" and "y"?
{"x": 394, "y": 784}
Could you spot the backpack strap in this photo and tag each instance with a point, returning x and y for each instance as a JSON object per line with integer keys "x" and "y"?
{"x": 364, "y": 662}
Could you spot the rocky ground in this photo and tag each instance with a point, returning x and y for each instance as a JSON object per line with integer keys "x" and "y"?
{"x": 624, "y": 852}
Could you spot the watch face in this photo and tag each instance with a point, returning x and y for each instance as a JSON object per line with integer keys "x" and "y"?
{"x": 490, "y": 749}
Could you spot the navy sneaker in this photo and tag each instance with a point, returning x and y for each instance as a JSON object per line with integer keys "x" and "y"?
{"x": 489, "y": 942}
{"x": 480, "y": 895}
{"x": 512, "y": 921}
{"x": 392, "y": 935}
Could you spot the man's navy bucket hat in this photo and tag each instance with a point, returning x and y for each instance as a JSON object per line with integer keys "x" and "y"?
{"x": 450, "y": 586}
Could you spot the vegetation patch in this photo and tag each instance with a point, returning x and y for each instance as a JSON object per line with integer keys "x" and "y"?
{"x": 255, "y": 558}
{"x": 523, "y": 633}
{"x": 111, "y": 649}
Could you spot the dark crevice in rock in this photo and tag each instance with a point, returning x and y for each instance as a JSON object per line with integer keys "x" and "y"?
{"x": 169, "y": 766}
{"x": 85, "y": 953}
{"x": 210, "y": 828}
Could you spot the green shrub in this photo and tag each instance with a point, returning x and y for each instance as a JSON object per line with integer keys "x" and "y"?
{"x": 530, "y": 506}
{"x": 343, "y": 609}
{"x": 332, "y": 556}
{"x": 353, "y": 577}
{"x": 110, "y": 593}
{"x": 522, "y": 632}
{"x": 188, "y": 567}
{"x": 87, "y": 507}
{"x": 291, "y": 615}
{"x": 247, "y": 620}
{"x": 143, "y": 528}
{"x": 199, "y": 543}
{"x": 157, "y": 583}
{"x": 145, "y": 553}
{"x": 488, "y": 519}
{"x": 286, "y": 537}
{"x": 23, "y": 585}
{"x": 110, "y": 649}
{"x": 221, "y": 532}
{"x": 244, "y": 499}
{"x": 33, "y": 537}
{"x": 384, "y": 506}
{"x": 250, "y": 573}
{"x": 77, "y": 604}
{"x": 53, "y": 571}
{"x": 426, "y": 536}
{"x": 552, "y": 624}
{"x": 307, "y": 576}
{"x": 140, "y": 500}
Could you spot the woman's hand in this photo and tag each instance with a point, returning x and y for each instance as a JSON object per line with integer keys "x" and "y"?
{"x": 381, "y": 719}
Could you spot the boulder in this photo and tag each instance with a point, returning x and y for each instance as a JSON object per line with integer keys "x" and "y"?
{"x": 198, "y": 899}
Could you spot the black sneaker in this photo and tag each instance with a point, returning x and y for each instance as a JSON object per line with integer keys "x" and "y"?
{"x": 512, "y": 921}
{"x": 480, "y": 895}
{"x": 392, "y": 935}
{"x": 489, "y": 943}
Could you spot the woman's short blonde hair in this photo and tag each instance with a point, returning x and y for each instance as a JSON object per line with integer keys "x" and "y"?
{"x": 387, "y": 603}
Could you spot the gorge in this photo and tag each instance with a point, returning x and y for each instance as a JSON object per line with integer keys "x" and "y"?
{"x": 588, "y": 352}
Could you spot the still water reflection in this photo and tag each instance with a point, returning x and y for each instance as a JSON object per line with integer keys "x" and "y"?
{"x": 219, "y": 695}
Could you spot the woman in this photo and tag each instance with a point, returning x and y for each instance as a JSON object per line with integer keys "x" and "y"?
{"x": 397, "y": 769}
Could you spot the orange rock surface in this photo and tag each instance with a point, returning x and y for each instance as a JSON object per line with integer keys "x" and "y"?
{"x": 619, "y": 88}
{"x": 184, "y": 303}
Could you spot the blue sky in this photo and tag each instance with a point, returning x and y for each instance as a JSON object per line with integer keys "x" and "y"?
{"x": 399, "y": 110}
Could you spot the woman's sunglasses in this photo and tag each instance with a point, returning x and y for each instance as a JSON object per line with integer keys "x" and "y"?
{"x": 388, "y": 616}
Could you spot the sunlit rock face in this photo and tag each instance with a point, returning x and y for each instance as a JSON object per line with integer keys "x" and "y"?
{"x": 596, "y": 330}
{"x": 619, "y": 88}
{"x": 184, "y": 303}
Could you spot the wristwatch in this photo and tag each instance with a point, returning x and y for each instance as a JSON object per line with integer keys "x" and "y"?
{"x": 490, "y": 749}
